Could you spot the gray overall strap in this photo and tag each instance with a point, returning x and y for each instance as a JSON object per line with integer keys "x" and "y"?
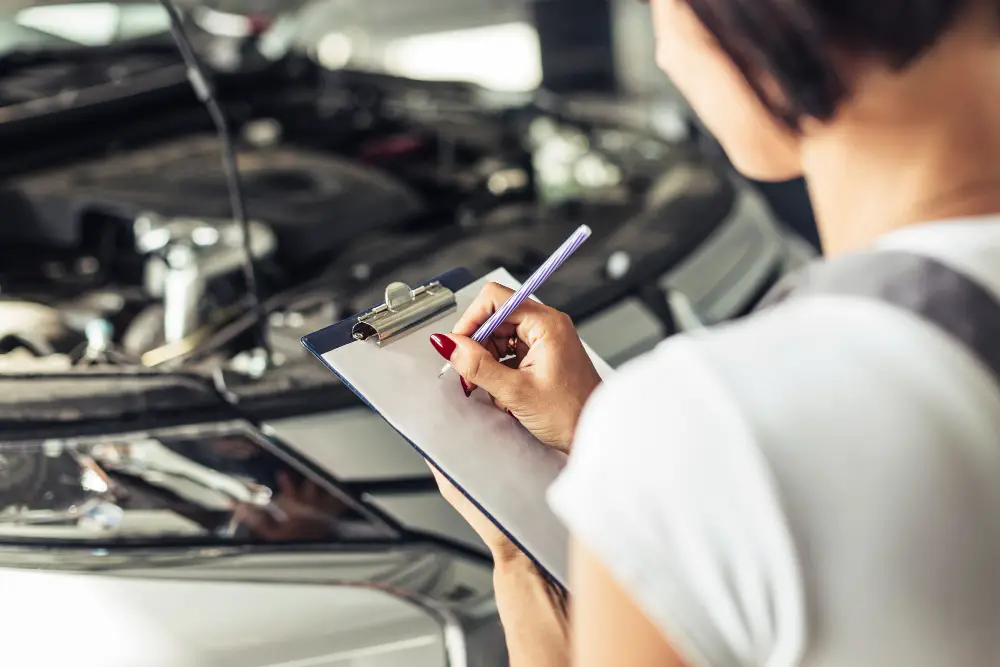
{"x": 921, "y": 285}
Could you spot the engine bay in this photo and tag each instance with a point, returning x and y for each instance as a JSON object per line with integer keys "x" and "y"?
{"x": 119, "y": 255}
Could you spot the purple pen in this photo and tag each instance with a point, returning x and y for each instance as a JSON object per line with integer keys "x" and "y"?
{"x": 529, "y": 286}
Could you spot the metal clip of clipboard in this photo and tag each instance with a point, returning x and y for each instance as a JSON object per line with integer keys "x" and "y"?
{"x": 404, "y": 309}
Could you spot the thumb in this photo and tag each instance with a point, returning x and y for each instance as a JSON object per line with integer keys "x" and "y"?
{"x": 475, "y": 363}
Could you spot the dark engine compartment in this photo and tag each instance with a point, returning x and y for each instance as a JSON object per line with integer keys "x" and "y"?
{"x": 354, "y": 180}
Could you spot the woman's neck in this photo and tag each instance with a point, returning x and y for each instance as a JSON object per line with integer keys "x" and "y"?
{"x": 927, "y": 149}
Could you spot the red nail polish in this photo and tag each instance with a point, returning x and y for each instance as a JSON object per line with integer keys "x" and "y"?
{"x": 466, "y": 387}
{"x": 444, "y": 345}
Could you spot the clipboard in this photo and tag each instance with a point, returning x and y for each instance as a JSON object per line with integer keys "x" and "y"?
{"x": 384, "y": 356}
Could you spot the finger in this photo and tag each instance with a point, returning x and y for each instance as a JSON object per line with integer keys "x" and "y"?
{"x": 489, "y": 299}
{"x": 440, "y": 479}
{"x": 494, "y": 350}
{"x": 478, "y": 367}
{"x": 448, "y": 490}
{"x": 491, "y": 347}
{"x": 438, "y": 475}
{"x": 522, "y": 321}
{"x": 497, "y": 403}
{"x": 503, "y": 408}
{"x": 514, "y": 364}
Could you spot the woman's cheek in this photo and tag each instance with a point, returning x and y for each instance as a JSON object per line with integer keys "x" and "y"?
{"x": 684, "y": 50}
{"x": 699, "y": 77}
{"x": 720, "y": 96}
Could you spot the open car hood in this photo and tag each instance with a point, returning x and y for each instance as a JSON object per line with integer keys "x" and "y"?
{"x": 9, "y": 6}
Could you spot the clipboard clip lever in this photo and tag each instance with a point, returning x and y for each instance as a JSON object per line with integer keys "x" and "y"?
{"x": 404, "y": 309}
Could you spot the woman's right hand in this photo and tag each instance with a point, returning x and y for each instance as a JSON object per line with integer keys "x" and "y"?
{"x": 550, "y": 378}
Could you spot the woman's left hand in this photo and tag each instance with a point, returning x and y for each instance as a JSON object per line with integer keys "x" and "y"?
{"x": 533, "y": 611}
{"x": 503, "y": 550}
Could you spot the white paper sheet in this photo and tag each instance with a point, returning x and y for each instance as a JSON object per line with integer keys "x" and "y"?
{"x": 488, "y": 455}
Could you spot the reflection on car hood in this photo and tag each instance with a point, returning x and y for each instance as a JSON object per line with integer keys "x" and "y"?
{"x": 142, "y": 537}
{"x": 383, "y": 611}
{"x": 257, "y": 625}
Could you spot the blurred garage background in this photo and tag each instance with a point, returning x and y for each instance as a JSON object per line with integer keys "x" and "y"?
{"x": 145, "y": 394}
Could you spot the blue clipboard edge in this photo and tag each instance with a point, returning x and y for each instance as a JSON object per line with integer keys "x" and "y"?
{"x": 339, "y": 334}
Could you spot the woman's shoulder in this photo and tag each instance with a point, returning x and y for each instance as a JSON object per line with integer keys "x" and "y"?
{"x": 818, "y": 353}
{"x": 759, "y": 387}
{"x": 832, "y": 336}
{"x": 815, "y": 425}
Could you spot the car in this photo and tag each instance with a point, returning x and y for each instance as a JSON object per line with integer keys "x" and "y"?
{"x": 180, "y": 482}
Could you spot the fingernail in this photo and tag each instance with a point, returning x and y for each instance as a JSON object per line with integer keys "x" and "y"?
{"x": 444, "y": 345}
{"x": 466, "y": 387}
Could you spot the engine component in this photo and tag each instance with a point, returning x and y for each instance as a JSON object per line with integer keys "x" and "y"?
{"x": 625, "y": 253}
{"x": 107, "y": 304}
{"x": 99, "y": 334}
{"x": 45, "y": 76}
{"x": 17, "y": 467}
{"x": 287, "y": 327}
{"x": 185, "y": 254}
{"x": 315, "y": 202}
{"x": 31, "y": 321}
{"x": 32, "y": 337}
{"x": 24, "y": 360}
{"x": 24, "y": 473}
{"x": 566, "y": 168}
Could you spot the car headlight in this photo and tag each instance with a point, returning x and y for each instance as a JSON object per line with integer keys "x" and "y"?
{"x": 209, "y": 484}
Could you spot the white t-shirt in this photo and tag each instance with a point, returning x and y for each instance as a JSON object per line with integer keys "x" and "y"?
{"x": 817, "y": 485}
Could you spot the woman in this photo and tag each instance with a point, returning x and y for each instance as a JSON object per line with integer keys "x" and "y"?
{"x": 818, "y": 484}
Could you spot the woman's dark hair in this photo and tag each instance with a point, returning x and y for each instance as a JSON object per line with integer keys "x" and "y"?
{"x": 788, "y": 43}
